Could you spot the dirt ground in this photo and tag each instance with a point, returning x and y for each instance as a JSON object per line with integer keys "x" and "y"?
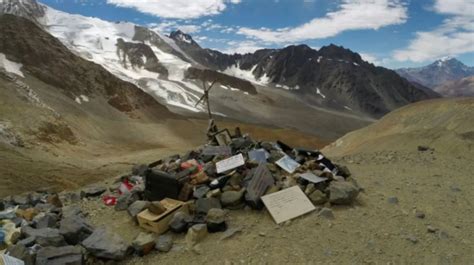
{"x": 372, "y": 231}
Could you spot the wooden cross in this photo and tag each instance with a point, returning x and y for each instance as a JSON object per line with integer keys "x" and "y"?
{"x": 206, "y": 96}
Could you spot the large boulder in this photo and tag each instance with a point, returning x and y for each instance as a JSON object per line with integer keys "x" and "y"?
{"x": 70, "y": 255}
{"x": 342, "y": 192}
{"x": 75, "y": 229}
{"x": 105, "y": 244}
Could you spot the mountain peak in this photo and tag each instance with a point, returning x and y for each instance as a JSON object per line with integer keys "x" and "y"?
{"x": 448, "y": 61}
{"x": 178, "y": 35}
{"x": 29, "y": 9}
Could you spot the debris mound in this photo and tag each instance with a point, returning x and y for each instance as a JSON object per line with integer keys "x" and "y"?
{"x": 190, "y": 193}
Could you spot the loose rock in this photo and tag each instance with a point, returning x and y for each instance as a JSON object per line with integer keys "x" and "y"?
{"x": 318, "y": 197}
{"x": 164, "y": 243}
{"x": 143, "y": 243}
{"x": 104, "y": 244}
{"x": 60, "y": 255}
{"x": 196, "y": 234}
{"x": 326, "y": 213}
{"x": 342, "y": 192}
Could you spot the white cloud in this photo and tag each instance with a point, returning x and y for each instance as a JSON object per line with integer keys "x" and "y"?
{"x": 241, "y": 47}
{"x": 454, "y": 37}
{"x": 351, "y": 15}
{"x": 369, "y": 58}
{"x": 182, "y": 9}
{"x": 168, "y": 26}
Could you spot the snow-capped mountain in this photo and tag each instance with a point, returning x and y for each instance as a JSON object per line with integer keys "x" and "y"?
{"x": 173, "y": 68}
{"x": 436, "y": 74}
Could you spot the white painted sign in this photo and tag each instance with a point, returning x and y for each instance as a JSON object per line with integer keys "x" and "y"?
{"x": 230, "y": 163}
{"x": 288, "y": 164}
{"x": 287, "y": 204}
{"x": 312, "y": 177}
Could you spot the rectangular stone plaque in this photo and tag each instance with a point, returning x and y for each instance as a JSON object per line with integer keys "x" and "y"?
{"x": 217, "y": 150}
{"x": 258, "y": 155}
{"x": 230, "y": 163}
{"x": 287, "y": 204}
{"x": 312, "y": 177}
{"x": 262, "y": 179}
{"x": 288, "y": 164}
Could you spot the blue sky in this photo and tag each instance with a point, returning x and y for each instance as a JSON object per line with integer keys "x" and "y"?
{"x": 391, "y": 33}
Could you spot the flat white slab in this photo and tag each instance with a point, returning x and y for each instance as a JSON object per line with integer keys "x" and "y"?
{"x": 288, "y": 164}
{"x": 312, "y": 177}
{"x": 287, "y": 204}
{"x": 230, "y": 163}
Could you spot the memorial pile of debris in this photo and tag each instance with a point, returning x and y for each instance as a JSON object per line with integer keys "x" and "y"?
{"x": 189, "y": 193}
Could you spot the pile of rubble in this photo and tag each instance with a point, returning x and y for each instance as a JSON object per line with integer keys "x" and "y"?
{"x": 182, "y": 194}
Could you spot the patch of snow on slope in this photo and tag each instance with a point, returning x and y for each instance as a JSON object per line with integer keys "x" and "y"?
{"x": 10, "y": 66}
{"x": 95, "y": 40}
{"x": 234, "y": 70}
{"x": 319, "y": 93}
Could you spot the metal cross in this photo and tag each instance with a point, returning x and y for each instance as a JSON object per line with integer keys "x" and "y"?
{"x": 206, "y": 97}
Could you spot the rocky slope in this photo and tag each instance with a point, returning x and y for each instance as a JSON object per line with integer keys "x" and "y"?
{"x": 332, "y": 77}
{"x": 458, "y": 88}
{"x": 437, "y": 73}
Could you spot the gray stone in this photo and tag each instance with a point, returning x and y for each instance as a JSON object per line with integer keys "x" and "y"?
{"x": 232, "y": 198}
{"x": 343, "y": 171}
{"x": 21, "y": 199}
{"x": 73, "y": 211}
{"x": 75, "y": 229}
{"x": 69, "y": 255}
{"x": 412, "y": 239}
{"x": 196, "y": 234}
{"x": 392, "y": 200}
{"x": 104, "y": 244}
{"x": 230, "y": 233}
{"x": 144, "y": 243}
{"x": 45, "y": 220}
{"x": 72, "y": 197}
{"x": 419, "y": 214}
{"x": 125, "y": 200}
{"x": 139, "y": 170}
{"x": 27, "y": 242}
{"x": 179, "y": 222}
{"x": 431, "y": 229}
{"x": 137, "y": 207}
{"x": 164, "y": 243}
{"x": 201, "y": 191}
{"x": 342, "y": 192}
{"x": 326, "y": 213}
{"x": 46, "y": 207}
{"x": 45, "y": 237}
{"x": 215, "y": 216}
{"x": 203, "y": 205}
{"x": 310, "y": 188}
{"x": 317, "y": 197}
{"x": 21, "y": 252}
{"x": 92, "y": 191}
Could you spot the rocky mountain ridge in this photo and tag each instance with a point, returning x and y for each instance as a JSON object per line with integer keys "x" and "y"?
{"x": 437, "y": 73}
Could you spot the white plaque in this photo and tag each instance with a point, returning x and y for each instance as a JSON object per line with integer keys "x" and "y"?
{"x": 287, "y": 204}
{"x": 288, "y": 164}
{"x": 312, "y": 177}
{"x": 230, "y": 163}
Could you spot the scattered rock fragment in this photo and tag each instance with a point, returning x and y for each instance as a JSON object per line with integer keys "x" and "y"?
{"x": 392, "y": 200}
{"x": 21, "y": 252}
{"x": 196, "y": 234}
{"x": 144, "y": 243}
{"x": 419, "y": 214}
{"x": 75, "y": 229}
{"x": 164, "y": 243}
{"x": 137, "y": 207}
{"x": 45, "y": 236}
{"x": 60, "y": 255}
{"x": 203, "y": 205}
{"x": 92, "y": 191}
{"x": 431, "y": 229}
{"x": 216, "y": 220}
{"x": 317, "y": 197}
{"x": 326, "y": 213}
{"x": 105, "y": 244}
{"x": 179, "y": 222}
{"x": 232, "y": 198}
{"x": 230, "y": 233}
{"x": 342, "y": 192}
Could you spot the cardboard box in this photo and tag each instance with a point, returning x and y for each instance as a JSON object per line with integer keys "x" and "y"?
{"x": 159, "y": 223}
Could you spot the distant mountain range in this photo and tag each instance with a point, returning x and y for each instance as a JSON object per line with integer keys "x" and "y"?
{"x": 329, "y": 81}
{"x": 442, "y": 76}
